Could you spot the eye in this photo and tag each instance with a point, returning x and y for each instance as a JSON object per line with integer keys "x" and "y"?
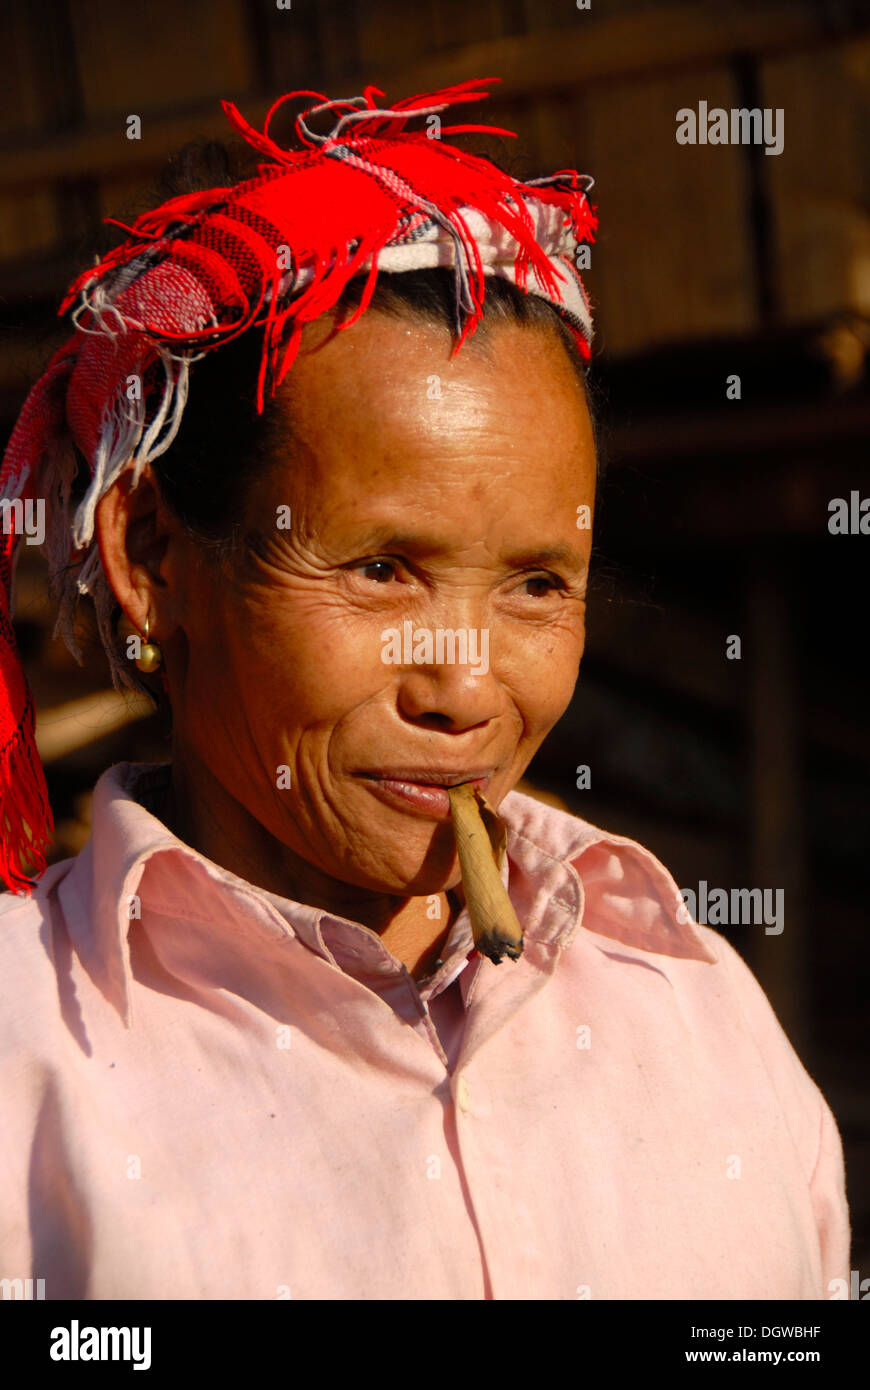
{"x": 379, "y": 571}
{"x": 542, "y": 585}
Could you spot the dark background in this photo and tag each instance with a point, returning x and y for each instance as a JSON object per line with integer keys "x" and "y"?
{"x": 713, "y": 519}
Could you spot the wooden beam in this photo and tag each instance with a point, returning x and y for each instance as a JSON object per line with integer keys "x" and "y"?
{"x": 78, "y": 723}
{"x": 103, "y": 149}
{"x": 661, "y": 40}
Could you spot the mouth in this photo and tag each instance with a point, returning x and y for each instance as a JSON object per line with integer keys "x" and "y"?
{"x": 423, "y": 792}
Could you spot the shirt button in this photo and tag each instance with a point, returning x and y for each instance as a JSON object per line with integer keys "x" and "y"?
{"x": 463, "y": 1095}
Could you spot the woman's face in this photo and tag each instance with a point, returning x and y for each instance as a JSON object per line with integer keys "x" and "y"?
{"x": 425, "y": 495}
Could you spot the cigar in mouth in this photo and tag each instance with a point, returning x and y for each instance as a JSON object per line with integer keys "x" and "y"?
{"x": 480, "y": 840}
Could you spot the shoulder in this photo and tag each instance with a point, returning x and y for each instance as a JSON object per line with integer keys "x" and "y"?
{"x": 31, "y": 950}
{"x": 748, "y": 1020}
{"x": 24, "y": 919}
{"x": 754, "y": 1012}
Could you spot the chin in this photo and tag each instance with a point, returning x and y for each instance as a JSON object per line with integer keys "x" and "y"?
{"x": 409, "y": 876}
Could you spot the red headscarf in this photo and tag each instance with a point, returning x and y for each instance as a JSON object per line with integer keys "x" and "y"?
{"x": 275, "y": 251}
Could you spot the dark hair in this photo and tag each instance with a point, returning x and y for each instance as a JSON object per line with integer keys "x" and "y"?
{"x": 222, "y": 440}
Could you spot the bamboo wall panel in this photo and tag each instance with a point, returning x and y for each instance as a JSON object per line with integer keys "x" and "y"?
{"x": 141, "y": 58}
{"x": 28, "y": 222}
{"x": 820, "y": 184}
{"x": 673, "y": 259}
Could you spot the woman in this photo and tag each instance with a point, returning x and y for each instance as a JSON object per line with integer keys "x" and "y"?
{"x": 259, "y": 1036}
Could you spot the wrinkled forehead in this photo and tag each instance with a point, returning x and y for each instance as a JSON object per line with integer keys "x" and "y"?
{"x": 395, "y": 374}
{"x": 382, "y": 420}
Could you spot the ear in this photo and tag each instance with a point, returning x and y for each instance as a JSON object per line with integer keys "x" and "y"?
{"x": 138, "y": 542}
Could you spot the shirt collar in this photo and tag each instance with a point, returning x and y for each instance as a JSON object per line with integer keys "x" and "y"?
{"x": 617, "y": 883}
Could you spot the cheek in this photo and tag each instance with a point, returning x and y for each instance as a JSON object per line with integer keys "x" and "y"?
{"x": 313, "y": 659}
{"x": 539, "y": 669}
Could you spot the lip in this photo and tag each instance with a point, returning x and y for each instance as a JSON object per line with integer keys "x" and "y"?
{"x": 422, "y": 791}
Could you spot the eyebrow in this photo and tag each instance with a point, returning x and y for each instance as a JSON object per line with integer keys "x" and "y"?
{"x": 384, "y": 537}
{"x": 549, "y": 555}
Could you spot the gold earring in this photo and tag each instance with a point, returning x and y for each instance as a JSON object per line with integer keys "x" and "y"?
{"x": 150, "y": 656}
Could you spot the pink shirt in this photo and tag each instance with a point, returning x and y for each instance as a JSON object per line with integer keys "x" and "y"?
{"x": 233, "y": 1095}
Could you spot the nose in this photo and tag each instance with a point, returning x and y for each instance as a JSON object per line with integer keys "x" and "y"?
{"x": 449, "y": 694}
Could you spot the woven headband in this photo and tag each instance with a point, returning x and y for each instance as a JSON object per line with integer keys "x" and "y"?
{"x": 273, "y": 252}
